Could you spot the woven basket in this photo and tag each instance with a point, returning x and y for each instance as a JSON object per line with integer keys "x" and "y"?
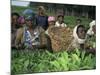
{"x": 61, "y": 38}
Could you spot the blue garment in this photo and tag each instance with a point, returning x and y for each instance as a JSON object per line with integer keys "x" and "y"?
{"x": 28, "y": 42}
{"x": 29, "y": 39}
{"x": 42, "y": 21}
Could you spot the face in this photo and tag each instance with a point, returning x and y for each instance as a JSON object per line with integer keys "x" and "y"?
{"x": 81, "y": 33}
{"x": 14, "y": 19}
{"x": 52, "y": 23}
{"x": 41, "y": 11}
{"x": 94, "y": 29}
{"x": 60, "y": 19}
{"x": 29, "y": 23}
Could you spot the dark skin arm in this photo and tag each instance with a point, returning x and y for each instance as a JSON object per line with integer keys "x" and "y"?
{"x": 19, "y": 36}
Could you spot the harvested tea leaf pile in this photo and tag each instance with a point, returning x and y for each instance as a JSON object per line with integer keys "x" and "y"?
{"x": 61, "y": 38}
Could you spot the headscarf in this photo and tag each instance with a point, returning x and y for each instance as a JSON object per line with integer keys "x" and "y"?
{"x": 51, "y": 18}
{"x": 92, "y": 23}
{"x": 21, "y": 20}
{"x": 29, "y": 18}
{"x": 28, "y": 12}
{"x": 76, "y": 38}
{"x": 90, "y": 31}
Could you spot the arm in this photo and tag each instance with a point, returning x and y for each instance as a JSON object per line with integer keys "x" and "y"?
{"x": 19, "y": 36}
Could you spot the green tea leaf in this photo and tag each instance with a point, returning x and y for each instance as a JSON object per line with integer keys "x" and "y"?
{"x": 83, "y": 55}
{"x": 26, "y": 63}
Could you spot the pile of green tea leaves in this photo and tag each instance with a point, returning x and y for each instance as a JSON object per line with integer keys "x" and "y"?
{"x": 33, "y": 61}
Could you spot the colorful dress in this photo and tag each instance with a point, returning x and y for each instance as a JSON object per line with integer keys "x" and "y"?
{"x": 31, "y": 39}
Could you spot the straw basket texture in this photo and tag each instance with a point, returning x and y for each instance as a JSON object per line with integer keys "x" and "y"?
{"x": 61, "y": 38}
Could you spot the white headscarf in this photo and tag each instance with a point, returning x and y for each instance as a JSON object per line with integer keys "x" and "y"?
{"x": 92, "y": 23}
{"x": 90, "y": 32}
{"x": 76, "y": 38}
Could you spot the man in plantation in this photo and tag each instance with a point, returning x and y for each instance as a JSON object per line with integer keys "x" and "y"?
{"x": 42, "y": 18}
